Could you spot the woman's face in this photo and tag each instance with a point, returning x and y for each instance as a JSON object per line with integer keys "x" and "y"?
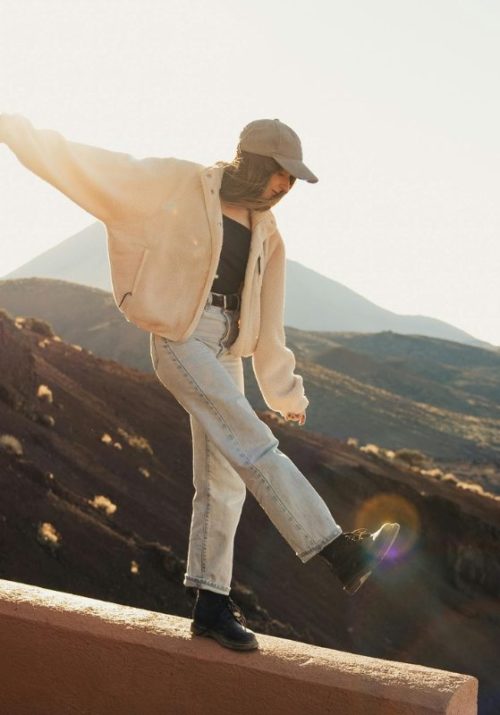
{"x": 279, "y": 185}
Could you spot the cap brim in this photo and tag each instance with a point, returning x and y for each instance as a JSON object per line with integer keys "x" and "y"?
{"x": 296, "y": 168}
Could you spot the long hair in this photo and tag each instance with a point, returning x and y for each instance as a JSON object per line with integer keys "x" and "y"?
{"x": 246, "y": 177}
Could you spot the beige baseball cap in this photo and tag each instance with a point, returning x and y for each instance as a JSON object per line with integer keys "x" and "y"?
{"x": 270, "y": 137}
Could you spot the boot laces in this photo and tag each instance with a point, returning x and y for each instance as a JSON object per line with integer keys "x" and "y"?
{"x": 236, "y": 611}
{"x": 357, "y": 535}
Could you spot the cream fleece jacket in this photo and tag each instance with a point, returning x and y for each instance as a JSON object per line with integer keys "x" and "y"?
{"x": 163, "y": 222}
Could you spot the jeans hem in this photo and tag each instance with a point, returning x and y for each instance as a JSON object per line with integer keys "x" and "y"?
{"x": 203, "y": 582}
{"x": 306, "y": 555}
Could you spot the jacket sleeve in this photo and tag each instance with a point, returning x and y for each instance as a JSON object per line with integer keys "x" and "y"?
{"x": 273, "y": 363}
{"x": 109, "y": 185}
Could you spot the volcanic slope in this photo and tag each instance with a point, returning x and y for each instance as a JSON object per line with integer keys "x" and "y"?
{"x": 96, "y": 499}
{"x": 94, "y": 470}
{"x": 399, "y": 391}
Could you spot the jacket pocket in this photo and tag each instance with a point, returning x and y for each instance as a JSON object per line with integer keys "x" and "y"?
{"x": 137, "y": 277}
{"x": 259, "y": 273}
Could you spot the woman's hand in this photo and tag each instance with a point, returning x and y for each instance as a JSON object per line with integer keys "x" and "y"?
{"x": 299, "y": 417}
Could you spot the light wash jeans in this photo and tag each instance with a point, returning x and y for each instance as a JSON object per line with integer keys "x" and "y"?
{"x": 233, "y": 449}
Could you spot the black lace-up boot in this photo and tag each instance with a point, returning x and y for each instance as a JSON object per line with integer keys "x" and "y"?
{"x": 355, "y": 554}
{"x": 217, "y": 616}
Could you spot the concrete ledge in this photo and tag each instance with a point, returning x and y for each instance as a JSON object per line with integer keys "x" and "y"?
{"x": 62, "y": 653}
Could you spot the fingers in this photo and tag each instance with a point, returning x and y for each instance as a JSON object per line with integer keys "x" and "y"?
{"x": 299, "y": 417}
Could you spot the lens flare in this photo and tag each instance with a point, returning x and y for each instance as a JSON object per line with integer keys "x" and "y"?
{"x": 389, "y": 507}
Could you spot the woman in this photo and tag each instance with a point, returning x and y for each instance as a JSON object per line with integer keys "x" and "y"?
{"x": 197, "y": 260}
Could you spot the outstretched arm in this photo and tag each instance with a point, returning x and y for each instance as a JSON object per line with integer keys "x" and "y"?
{"x": 109, "y": 185}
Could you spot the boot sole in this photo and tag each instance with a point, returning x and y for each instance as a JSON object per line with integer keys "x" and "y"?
{"x": 207, "y": 633}
{"x": 384, "y": 543}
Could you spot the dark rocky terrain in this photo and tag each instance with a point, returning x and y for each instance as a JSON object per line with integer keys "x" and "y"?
{"x": 398, "y": 391}
{"x": 82, "y": 490}
{"x": 95, "y": 470}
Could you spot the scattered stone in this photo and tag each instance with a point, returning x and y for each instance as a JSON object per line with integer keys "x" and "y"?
{"x": 145, "y": 472}
{"x": 436, "y": 472}
{"x": 108, "y": 439}
{"x": 46, "y": 420}
{"x": 47, "y": 535}
{"x": 135, "y": 441}
{"x": 134, "y": 567}
{"x": 470, "y": 487}
{"x": 11, "y": 445}
{"x": 370, "y": 449}
{"x": 45, "y": 393}
{"x": 103, "y": 503}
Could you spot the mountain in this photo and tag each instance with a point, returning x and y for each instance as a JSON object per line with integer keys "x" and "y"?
{"x": 81, "y": 258}
{"x": 397, "y": 391}
{"x": 312, "y": 302}
{"x": 95, "y": 476}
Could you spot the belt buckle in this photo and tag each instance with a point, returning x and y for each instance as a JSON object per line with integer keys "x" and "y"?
{"x": 225, "y": 301}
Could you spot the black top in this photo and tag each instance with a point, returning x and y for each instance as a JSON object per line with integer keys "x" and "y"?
{"x": 233, "y": 258}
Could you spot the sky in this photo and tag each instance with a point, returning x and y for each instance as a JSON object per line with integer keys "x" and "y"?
{"x": 395, "y": 101}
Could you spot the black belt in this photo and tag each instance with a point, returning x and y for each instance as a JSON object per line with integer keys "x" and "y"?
{"x": 229, "y": 301}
